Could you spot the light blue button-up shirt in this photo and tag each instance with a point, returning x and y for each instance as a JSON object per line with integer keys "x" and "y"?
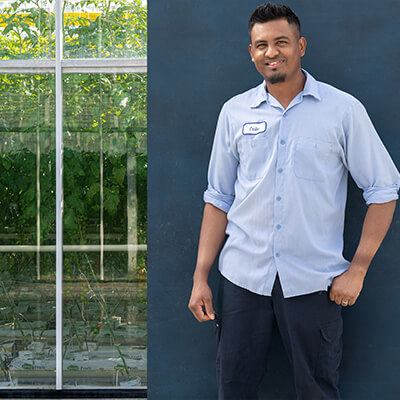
{"x": 281, "y": 177}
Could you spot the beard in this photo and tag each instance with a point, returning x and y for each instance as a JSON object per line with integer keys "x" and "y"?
{"x": 278, "y": 78}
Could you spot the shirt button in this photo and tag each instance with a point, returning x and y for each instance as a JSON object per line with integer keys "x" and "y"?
{"x": 278, "y": 254}
{"x": 278, "y": 226}
{"x": 280, "y": 170}
{"x": 283, "y": 142}
{"x": 279, "y": 198}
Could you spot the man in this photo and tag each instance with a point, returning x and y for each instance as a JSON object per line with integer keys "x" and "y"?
{"x": 277, "y": 187}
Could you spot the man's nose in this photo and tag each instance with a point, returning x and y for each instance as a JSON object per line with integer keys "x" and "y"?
{"x": 271, "y": 52}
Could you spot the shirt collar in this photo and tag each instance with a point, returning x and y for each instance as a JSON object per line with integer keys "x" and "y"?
{"x": 260, "y": 95}
{"x": 311, "y": 86}
{"x": 310, "y": 89}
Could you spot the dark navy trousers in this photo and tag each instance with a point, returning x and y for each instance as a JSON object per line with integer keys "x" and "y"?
{"x": 311, "y": 330}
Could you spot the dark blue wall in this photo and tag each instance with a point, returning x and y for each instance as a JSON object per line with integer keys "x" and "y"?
{"x": 198, "y": 58}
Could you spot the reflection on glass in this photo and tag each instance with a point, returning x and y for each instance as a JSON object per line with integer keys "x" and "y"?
{"x": 27, "y": 231}
{"x": 27, "y": 29}
{"x": 105, "y": 163}
{"x": 104, "y": 29}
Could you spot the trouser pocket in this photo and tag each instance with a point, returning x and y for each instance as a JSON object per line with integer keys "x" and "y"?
{"x": 217, "y": 328}
{"x": 330, "y": 352}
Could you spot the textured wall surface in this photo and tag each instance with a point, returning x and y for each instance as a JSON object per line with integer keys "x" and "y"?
{"x": 198, "y": 58}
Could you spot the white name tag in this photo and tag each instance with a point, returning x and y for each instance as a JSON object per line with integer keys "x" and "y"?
{"x": 254, "y": 128}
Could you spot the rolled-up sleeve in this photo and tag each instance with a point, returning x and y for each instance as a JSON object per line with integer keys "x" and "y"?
{"x": 223, "y": 165}
{"x": 367, "y": 159}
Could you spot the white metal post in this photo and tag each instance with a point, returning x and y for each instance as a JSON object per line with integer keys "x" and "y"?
{"x": 59, "y": 195}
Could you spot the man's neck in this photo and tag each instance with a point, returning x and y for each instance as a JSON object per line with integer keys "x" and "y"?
{"x": 286, "y": 91}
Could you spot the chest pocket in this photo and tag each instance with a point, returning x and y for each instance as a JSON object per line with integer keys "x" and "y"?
{"x": 254, "y": 154}
{"x": 313, "y": 158}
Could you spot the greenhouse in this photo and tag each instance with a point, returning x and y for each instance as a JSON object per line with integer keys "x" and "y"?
{"x": 73, "y": 187}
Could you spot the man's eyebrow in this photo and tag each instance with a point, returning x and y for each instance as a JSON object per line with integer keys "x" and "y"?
{"x": 281, "y": 37}
{"x": 277, "y": 38}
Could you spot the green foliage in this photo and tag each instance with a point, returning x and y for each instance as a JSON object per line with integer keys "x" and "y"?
{"x": 25, "y": 102}
{"x": 111, "y": 29}
{"x": 104, "y": 131}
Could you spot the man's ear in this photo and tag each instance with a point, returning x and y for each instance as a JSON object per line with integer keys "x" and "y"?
{"x": 302, "y": 45}
{"x": 251, "y": 52}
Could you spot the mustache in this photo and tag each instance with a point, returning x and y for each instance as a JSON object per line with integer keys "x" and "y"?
{"x": 274, "y": 59}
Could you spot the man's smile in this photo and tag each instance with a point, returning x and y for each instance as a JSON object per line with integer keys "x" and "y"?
{"x": 273, "y": 64}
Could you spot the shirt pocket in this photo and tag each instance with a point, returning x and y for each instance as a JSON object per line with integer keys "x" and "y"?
{"x": 312, "y": 158}
{"x": 254, "y": 153}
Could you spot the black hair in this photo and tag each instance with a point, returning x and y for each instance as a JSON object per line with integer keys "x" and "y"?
{"x": 269, "y": 12}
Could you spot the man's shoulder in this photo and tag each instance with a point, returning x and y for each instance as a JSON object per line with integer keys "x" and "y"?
{"x": 245, "y": 98}
{"x": 333, "y": 94}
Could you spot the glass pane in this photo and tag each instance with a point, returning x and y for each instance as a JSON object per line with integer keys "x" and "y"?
{"x": 105, "y": 29}
{"x": 105, "y": 164}
{"x": 27, "y": 231}
{"x": 27, "y": 29}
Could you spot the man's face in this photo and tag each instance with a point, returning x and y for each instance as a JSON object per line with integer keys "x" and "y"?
{"x": 276, "y": 50}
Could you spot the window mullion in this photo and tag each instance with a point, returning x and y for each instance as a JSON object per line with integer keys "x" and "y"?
{"x": 59, "y": 194}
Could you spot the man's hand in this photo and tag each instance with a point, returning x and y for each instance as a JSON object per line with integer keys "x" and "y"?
{"x": 212, "y": 236}
{"x": 347, "y": 287}
{"x": 200, "y": 303}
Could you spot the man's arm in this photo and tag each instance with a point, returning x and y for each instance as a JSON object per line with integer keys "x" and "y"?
{"x": 347, "y": 286}
{"x": 212, "y": 236}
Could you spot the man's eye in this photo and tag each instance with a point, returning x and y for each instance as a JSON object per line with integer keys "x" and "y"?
{"x": 281, "y": 42}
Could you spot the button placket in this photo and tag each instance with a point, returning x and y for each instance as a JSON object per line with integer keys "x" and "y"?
{"x": 279, "y": 184}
